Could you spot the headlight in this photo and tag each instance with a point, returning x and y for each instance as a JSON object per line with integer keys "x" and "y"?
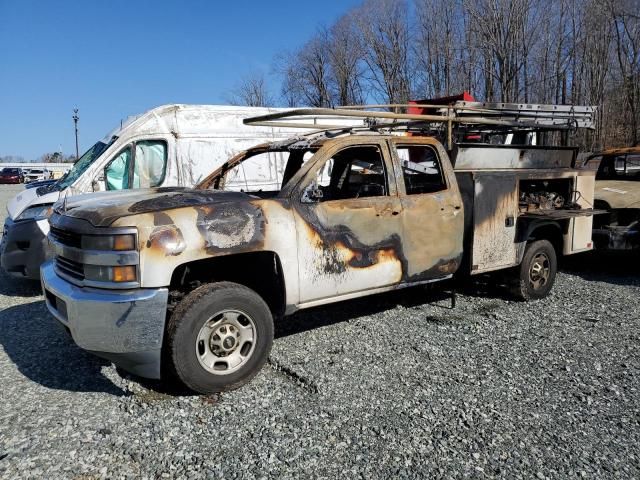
{"x": 39, "y": 212}
{"x": 126, "y": 273}
{"x": 109, "y": 242}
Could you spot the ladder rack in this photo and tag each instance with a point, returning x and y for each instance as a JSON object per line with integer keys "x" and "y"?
{"x": 468, "y": 116}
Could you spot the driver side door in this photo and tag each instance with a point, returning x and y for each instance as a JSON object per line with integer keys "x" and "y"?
{"x": 348, "y": 223}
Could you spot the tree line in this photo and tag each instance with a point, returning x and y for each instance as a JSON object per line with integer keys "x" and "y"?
{"x": 54, "y": 157}
{"x": 580, "y": 52}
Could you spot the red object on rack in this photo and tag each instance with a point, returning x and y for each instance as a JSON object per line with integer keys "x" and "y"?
{"x": 464, "y": 96}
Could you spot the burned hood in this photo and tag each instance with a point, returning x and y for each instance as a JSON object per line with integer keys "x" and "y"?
{"x": 618, "y": 193}
{"x": 103, "y": 208}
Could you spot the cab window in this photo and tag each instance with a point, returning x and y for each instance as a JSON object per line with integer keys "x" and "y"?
{"x": 421, "y": 169}
{"x": 354, "y": 172}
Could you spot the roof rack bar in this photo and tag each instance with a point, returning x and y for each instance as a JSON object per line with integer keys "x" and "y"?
{"x": 469, "y": 114}
{"x": 323, "y": 112}
{"x": 485, "y": 106}
{"x": 311, "y": 112}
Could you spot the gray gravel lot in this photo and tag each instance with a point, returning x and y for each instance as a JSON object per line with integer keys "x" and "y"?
{"x": 388, "y": 386}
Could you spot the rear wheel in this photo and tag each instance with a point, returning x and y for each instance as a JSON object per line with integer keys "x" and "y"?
{"x": 535, "y": 276}
{"x": 219, "y": 337}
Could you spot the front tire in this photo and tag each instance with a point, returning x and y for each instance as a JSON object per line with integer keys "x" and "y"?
{"x": 219, "y": 337}
{"x": 535, "y": 276}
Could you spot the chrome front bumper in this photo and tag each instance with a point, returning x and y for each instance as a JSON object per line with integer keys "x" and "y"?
{"x": 124, "y": 326}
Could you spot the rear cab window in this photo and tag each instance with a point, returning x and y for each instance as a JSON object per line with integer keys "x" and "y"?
{"x": 421, "y": 169}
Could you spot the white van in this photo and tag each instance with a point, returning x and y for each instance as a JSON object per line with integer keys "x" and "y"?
{"x": 171, "y": 145}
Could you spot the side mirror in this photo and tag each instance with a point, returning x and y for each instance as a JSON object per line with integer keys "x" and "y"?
{"x": 97, "y": 183}
{"x": 312, "y": 194}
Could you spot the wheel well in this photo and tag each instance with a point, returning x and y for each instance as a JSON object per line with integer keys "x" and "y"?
{"x": 259, "y": 271}
{"x": 549, "y": 231}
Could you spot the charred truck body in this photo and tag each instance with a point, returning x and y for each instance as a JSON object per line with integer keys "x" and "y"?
{"x": 185, "y": 283}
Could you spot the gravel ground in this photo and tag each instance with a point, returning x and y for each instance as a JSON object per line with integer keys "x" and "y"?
{"x": 388, "y": 386}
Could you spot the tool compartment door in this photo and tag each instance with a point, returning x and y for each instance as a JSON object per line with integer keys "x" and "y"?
{"x": 495, "y": 210}
{"x": 581, "y": 227}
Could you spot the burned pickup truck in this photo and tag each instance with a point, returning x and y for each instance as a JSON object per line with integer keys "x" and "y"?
{"x": 185, "y": 283}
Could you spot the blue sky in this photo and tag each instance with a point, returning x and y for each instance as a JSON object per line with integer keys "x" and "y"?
{"x": 117, "y": 58}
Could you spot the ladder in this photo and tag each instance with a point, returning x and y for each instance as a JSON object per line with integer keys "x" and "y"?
{"x": 463, "y": 115}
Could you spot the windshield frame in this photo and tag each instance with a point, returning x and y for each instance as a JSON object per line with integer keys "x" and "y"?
{"x": 217, "y": 179}
{"x": 81, "y": 165}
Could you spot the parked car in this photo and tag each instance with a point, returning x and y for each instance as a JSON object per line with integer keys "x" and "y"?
{"x": 171, "y": 145}
{"x": 618, "y": 192}
{"x": 185, "y": 283}
{"x": 11, "y": 175}
{"x": 37, "y": 175}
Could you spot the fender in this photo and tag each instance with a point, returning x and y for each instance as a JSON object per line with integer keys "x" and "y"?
{"x": 526, "y": 227}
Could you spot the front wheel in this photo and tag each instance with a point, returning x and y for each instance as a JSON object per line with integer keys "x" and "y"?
{"x": 219, "y": 337}
{"x": 535, "y": 276}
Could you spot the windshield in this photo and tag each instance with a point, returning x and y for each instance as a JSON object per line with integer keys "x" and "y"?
{"x": 81, "y": 165}
{"x": 11, "y": 171}
{"x": 260, "y": 171}
{"x": 619, "y": 167}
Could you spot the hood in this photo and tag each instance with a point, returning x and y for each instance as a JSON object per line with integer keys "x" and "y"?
{"x": 618, "y": 193}
{"x": 29, "y": 198}
{"x": 103, "y": 208}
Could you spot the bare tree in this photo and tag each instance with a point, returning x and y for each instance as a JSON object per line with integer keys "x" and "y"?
{"x": 384, "y": 30}
{"x": 11, "y": 159}
{"x": 539, "y": 51}
{"x": 590, "y": 58}
{"x": 626, "y": 27}
{"x": 306, "y": 74}
{"x": 251, "y": 91}
{"x": 345, "y": 57}
{"x": 503, "y": 35}
{"x": 439, "y": 47}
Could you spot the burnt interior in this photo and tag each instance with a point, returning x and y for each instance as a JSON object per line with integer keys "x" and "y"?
{"x": 543, "y": 194}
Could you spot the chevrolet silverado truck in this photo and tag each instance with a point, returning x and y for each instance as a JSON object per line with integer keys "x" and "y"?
{"x": 185, "y": 284}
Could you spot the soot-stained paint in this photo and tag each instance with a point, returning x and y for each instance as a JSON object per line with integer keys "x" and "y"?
{"x": 182, "y": 199}
{"x": 237, "y": 225}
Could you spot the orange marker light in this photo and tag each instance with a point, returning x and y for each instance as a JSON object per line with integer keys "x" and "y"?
{"x": 124, "y": 274}
{"x": 124, "y": 242}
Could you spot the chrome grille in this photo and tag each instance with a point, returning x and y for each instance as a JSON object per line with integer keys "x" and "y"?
{"x": 69, "y": 267}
